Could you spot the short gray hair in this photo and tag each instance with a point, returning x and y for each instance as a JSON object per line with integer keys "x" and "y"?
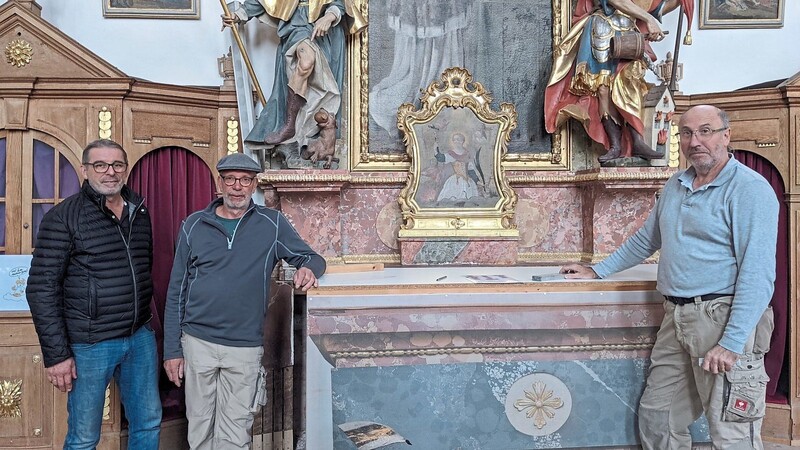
{"x": 102, "y": 143}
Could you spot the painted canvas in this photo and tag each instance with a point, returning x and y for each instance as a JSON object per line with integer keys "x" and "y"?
{"x": 741, "y": 14}
{"x": 505, "y": 43}
{"x": 456, "y": 166}
{"x": 152, "y": 9}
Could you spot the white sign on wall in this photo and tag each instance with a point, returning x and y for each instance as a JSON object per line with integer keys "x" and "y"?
{"x": 13, "y": 280}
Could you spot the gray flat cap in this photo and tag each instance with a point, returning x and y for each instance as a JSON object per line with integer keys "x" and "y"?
{"x": 238, "y": 161}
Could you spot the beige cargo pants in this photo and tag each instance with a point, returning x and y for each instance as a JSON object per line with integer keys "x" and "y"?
{"x": 220, "y": 388}
{"x": 679, "y": 390}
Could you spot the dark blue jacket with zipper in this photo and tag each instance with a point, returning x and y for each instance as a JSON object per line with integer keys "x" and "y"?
{"x": 89, "y": 281}
{"x": 219, "y": 286}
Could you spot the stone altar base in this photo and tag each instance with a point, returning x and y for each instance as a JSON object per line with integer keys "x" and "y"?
{"x": 466, "y": 251}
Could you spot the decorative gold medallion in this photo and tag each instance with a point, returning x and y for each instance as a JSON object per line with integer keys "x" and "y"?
{"x": 104, "y": 123}
{"x": 539, "y": 403}
{"x": 19, "y": 53}
{"x": 10, "y": 398}
{"x": 541, "y": 397}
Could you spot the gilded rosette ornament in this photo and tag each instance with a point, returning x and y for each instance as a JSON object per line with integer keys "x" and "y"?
{"x": 456, "y": 185}
{"x": 104, "y": 123}
{"x": 19, "y": 53}
{"x": 233, "y": 135}
{"x": 539, "y": 403}
{"x": 10, "y": 398}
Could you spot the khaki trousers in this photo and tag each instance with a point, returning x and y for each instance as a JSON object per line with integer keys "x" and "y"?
{"x": 220, "y": 386}
{"x": 679, "y": 390}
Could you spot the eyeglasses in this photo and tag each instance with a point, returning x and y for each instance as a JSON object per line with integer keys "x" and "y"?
{"x": 230, "y": 180}
{"x": 102, "y": 167}
{"x": 702, "y": 134}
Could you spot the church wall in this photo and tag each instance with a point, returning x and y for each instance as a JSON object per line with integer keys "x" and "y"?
{"x": 184, "y": 52}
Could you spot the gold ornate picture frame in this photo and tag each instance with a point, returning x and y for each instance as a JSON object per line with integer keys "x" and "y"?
{"x": 151, "y": 9}
{"x": 554, "y": 153}
{"x": 456, "y": 185}
{"x": 741, "y": 14}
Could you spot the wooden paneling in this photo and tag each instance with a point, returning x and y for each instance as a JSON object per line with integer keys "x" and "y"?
{"x": 21, "y": 368}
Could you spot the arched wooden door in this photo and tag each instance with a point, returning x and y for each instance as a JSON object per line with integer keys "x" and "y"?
{"x": 174, "y": 182}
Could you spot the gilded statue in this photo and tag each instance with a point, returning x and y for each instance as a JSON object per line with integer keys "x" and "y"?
{"x": 601, "y": 86}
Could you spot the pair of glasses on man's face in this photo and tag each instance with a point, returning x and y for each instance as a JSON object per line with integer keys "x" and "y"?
{"x": 702, "y": 133}
{"x": 230, "y": 180}
{"x": 102, "y": 167}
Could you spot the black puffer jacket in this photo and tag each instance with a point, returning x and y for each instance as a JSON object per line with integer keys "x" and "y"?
{"x": 88, "y": 282}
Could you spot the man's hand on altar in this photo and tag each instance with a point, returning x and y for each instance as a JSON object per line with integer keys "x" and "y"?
{"x": 304, "y": 279}
{"x": 578, "y": 271}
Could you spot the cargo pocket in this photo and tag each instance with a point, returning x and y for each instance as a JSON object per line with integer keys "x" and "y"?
{"x": 260, "y": 397}
{"x": 763, "y": 333}
{"x": 745, "y": 391}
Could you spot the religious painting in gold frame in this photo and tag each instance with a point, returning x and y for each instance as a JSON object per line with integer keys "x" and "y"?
{"x": 741, "y": 14}
{"x": 152, "y": 9}
{"x": 519, "y": 31}
{"x": 456, "y": 185}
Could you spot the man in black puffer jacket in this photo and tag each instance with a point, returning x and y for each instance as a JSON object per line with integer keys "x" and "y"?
{"x": 89, "y": 292}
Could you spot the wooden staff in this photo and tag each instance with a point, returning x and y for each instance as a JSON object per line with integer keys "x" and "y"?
{"x": 239, "y": 42}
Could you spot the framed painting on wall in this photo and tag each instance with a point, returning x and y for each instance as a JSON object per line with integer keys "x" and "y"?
{"x": 152, "y": 9}
{"x": 507, "y": 44}
{"x": 719, "y": 14}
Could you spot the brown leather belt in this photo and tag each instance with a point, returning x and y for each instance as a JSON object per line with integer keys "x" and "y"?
{"x": 680, "y": 301}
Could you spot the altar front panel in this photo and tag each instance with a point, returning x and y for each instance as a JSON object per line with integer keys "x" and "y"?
{"x": 457, "y": 364}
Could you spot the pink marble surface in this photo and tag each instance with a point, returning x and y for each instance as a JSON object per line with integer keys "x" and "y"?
{"x": 440, "y": 335}
{"x": 398, "y": 319}
{"x": 617, "y": 215}
{"x": 340, "y": 218}
{"x": 316, "y": 218}
{"x": 370, "y": 220}
{"x": 549, "y": 219}
{"x": 482, "y": 251}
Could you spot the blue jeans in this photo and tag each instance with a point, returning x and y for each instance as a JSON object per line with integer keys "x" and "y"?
{"x": 133, "y": 362}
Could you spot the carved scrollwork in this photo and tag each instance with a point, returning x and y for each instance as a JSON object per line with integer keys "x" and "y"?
{"x": 456, "y": 185}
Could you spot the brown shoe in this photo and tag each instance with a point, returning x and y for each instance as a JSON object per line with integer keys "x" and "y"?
{"x": 293, "y": 104}
{"x": 640, "y": 147}
{"x": 614, "y": 132}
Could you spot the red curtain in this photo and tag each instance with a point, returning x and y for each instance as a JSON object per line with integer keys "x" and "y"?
{"x": 774, "y": 360}
{"x": 174, "y": 183}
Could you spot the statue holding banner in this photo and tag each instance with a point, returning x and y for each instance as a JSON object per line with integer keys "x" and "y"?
{"x": 598, "y": 72}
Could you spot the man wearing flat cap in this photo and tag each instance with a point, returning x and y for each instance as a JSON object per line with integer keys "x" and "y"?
{"x": 217, "y": 304}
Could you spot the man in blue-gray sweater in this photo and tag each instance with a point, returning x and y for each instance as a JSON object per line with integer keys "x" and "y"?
{"x": 716, "y": 226}
{"x": 217, "y": 303}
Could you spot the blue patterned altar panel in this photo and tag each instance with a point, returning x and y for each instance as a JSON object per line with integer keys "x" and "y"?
{"x": 462, "y": 406}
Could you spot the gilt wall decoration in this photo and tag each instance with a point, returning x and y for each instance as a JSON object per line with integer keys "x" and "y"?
{"x": 19, "y": 53}
{"x": 456, "y": 185}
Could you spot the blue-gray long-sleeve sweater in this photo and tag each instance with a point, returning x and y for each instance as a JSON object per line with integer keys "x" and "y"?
{"x": 219, "y": 287}
{"x": 717, "y": 239}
